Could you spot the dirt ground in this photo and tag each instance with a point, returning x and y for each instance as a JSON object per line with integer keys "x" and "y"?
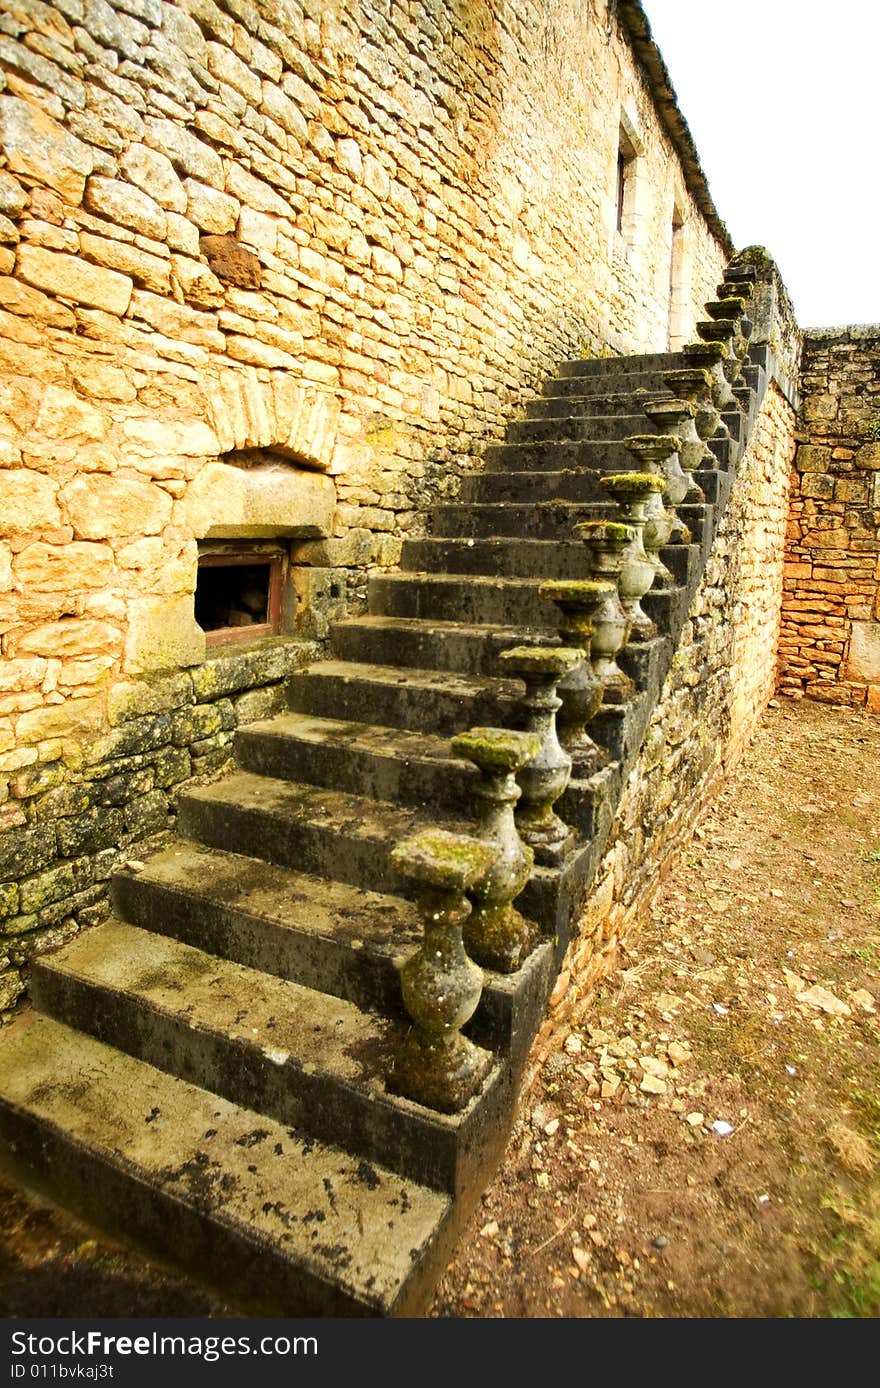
{"x": 706, "y": 1145}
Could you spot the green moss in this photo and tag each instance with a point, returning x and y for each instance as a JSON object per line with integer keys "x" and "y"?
{"x": 496, "y": 749}
{"x": 541, "y": 660}
{"x": 731, "y": 306}
{"x": 437, "y": 858}
{"x": 633, "y": 483}
{"x": 604, "y": 532}
{"x": 587, "y": 591}
{"x": 712, "y": 351}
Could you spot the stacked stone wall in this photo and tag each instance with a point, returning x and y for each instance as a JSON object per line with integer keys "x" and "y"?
{"x": 719, "y": 683}
{"x": 830, "y": 639}
{"x": 274, "y": 271}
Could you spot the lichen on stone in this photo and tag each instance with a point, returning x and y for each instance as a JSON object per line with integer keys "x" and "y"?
{"x": 497, "y": 749}
{"x": 542, "y": 660}
{"x": 438, "y": 858}
{"x": 633, "y": 483}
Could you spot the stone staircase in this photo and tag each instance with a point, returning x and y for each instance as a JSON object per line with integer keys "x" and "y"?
{"x": 206, "y": 1070}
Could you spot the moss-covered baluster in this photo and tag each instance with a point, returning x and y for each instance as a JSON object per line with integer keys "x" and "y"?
{"x": 659, "y": 453}
{"x": 674, "y": 415}
{"x": 496, "y": 935}
{"x": 711, "y": 357}
{"x": 607, "y": 542}
{"x": 632, "y": 491}
{"x": 728, "y": 332}
{"x": 581, "y": 690}
{"x": 543, "y": 779}
{"x": 692, "y": 384}
{"x": 435, "y": 1064}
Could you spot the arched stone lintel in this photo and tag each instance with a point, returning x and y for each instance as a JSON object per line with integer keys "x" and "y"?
{"x": 274, "y": 411}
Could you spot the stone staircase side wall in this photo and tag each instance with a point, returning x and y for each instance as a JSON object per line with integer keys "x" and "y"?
{"x": 829, "y": 644}
{"x": 721, "y": 677}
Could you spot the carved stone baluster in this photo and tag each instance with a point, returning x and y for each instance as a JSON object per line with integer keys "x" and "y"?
{"x": 693, "y": 385}
{"x": 436, "y": 1065}
{"x": 607, "y": 541}
{"x": 633, "y": 491}
{"x": 659, "y": 453}
{"x": 712, "y": 356}
{"x": 580, "y": 691}
{"x": 676, "y": 416}
{"x": 731, "y": 334}
{"x": 496, "y": 935}
{"x": 543, "y": 779}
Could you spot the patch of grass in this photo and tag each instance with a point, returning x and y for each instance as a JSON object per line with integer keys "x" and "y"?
{"x": 871, "y": 857}
{"x": 867, "y": 1107}
{"x": 850, "y": 1288}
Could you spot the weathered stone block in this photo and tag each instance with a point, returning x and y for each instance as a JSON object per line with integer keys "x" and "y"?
{"x": 210, "y": 209}
{"x": 171, "y": 766}
{"x": 34, "y": 780}
{"x": 70, "y": 278}
{"x": 38, "y": 147}
{"x": 202, "y": 720}
{"x": 118, "y": 789}
{"x": 98, "y": 828}
{"x": 28, "y": 501}
{"x": 162, "y": 634}
{"x": 229, "y": 502}
{"x": 11, "y": 988}
{"x": 8, "y": 899}
{"x": 52, "y": 885}
{"x": 63, "y": 568}
{"x": 99, "y": 506}
{"x": 153, "y": 173}
{"x": 125, "y": 205}
{"x": 231, "y": 261}
{"x": 863, "y": 664}
{"x": 147, "y": 815}
{"x": 144, "y": 734}
{"x": 152, "y": 271}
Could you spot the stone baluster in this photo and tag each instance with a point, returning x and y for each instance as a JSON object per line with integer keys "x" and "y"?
{"x": 607, "y": 542}
{"x": 579, "y": 600}
{"x": 711, "y": 357}
{"x": 728, "y": 332}
{"x": 633, "y": 491}
{"x": 435, "y": 1064}
{"x": 496, "y": 935}
{"x": 659, "y": 453}
{"x": 543, "y": 779}
{"x": 693, "y": 385}
{"x": 674, "y": 415}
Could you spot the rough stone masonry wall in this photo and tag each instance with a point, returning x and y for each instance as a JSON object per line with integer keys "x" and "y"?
{"x": 722, "y": 676}
{"x": 830, "y": 639}
{"x": 272, "y": 269}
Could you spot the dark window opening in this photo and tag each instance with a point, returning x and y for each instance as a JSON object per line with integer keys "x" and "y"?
{"x": 238, "y": 595}
{"x": 621, "y": 187}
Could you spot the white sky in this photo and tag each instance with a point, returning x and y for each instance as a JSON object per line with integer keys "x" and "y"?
{"x": 783, "y": 101}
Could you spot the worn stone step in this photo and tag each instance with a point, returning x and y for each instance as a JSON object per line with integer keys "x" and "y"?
{"x": 383, "y": 763}
{"x": 313, "y": 930}
{"x": 519, "y": 488}
{"x": 469, "y": 648}
{"x": 292, "y": 1225}
{"x": 420, "y": 700}
{"x": 300, "y": 1056}
{"x": 541, "y": 521}
{"x": 323, "y": 934}
{"x": 461, "y": 598}
{"x": 560, "y": 455}
{"x": 579, "y": 426}
{"x": 500, "y": 557}
{"x": 309, "y": 828}
{"x": 631, "y": 385}
{"x": 579, "y": 395}
{"x": 625, "y": 365}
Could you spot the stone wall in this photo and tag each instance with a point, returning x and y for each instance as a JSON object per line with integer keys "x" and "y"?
{"x": 830, "y": 641}
{"x": 720, "y": 681}
{"x": 277, "y": 270}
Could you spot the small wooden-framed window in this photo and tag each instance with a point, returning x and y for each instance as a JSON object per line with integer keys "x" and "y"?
{"x": 239, "y": 592}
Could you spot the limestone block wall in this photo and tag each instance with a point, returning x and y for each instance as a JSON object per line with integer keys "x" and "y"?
{"x": 721, "y": 678}
{"x": 279, "y": 270}
{"x": 830, "y": 639}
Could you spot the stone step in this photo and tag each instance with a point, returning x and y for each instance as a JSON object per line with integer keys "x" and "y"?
{"x": 313, "y": 930}
{"x": 502, "y": 557}
{"x": 323, "y": 934}
{"x": 580, "y": 426}
{"x": 292, "y": 1225}
{"x": 580, "y": 395}
{"x": 629, "y": 385}
{"x": 626, "y": 365}
{"x": 382, "y": 763}
{"x": 559, "y": 455}
{"x": 420, "y": 700}
{"x": 541, "y": 521}
{"x": 305, "y": 1058}
{"x": 517, "y": 488}
{"x": 329, "y": 833}
{"x": 468, "y": 648}
{"x": 461, "y": 598}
